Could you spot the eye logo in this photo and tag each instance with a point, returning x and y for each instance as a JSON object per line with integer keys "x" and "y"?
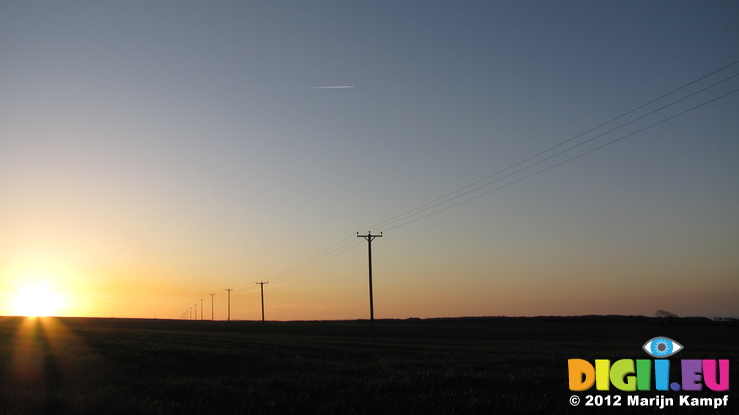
{"x": 661, "y": 347}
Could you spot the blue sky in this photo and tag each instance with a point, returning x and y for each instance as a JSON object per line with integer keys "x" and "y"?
{"x": 155, "y": 152}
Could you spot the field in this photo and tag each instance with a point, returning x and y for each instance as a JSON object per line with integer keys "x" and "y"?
{"x": 468, "y": 365}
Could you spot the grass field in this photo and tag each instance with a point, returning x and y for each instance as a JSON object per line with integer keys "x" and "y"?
{"x": 474, "y": 365}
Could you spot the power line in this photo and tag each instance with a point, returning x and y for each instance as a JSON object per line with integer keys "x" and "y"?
{"x": 336, "y": 249}
{"x": 564, "y": 161}
{"x": 441, "y": 200}
{"x": 318, "y": 258}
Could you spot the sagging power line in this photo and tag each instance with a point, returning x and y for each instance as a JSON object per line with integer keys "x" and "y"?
{"x": 447, "y": 198}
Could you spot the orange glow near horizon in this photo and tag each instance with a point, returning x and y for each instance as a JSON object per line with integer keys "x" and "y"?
{"x": 45, "y": 284}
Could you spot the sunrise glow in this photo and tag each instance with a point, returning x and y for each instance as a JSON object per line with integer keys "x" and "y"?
{"x": 36, "y": 300}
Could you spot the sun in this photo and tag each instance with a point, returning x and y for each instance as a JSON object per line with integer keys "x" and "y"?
{"x": 37, "y": 300}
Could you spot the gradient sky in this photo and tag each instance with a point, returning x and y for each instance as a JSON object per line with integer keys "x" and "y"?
{"x": 152, "y": 153}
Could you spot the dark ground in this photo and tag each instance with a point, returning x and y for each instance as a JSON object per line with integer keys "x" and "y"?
{"x": 460, "y": 365}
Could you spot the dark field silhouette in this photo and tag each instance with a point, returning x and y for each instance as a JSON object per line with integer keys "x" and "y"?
{"x": 460, "y": 365}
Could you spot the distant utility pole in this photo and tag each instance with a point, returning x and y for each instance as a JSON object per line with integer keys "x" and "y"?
{"x": 369, "y": 237}
{"x": 229, "y": 302}
{"x": 189, "y": 314}
{"x": 196, "y": 311}
{"x": 212, "y": 318}
{"x": 262, "y": 284}
{"x": 201, "y": 310}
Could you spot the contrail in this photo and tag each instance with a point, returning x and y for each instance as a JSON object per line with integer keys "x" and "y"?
{"x": 330, "y": 87}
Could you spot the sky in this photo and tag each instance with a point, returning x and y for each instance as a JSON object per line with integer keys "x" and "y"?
{"x": 155, "y": 152}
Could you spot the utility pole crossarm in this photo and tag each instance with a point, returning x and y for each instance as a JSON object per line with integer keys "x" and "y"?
{"x": 369, "y": 237}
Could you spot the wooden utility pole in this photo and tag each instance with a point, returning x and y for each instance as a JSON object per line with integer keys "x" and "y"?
{"x": 229, "y": 302}
{"x": 262, "y": 284}
{"x": 369, "y": 237}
